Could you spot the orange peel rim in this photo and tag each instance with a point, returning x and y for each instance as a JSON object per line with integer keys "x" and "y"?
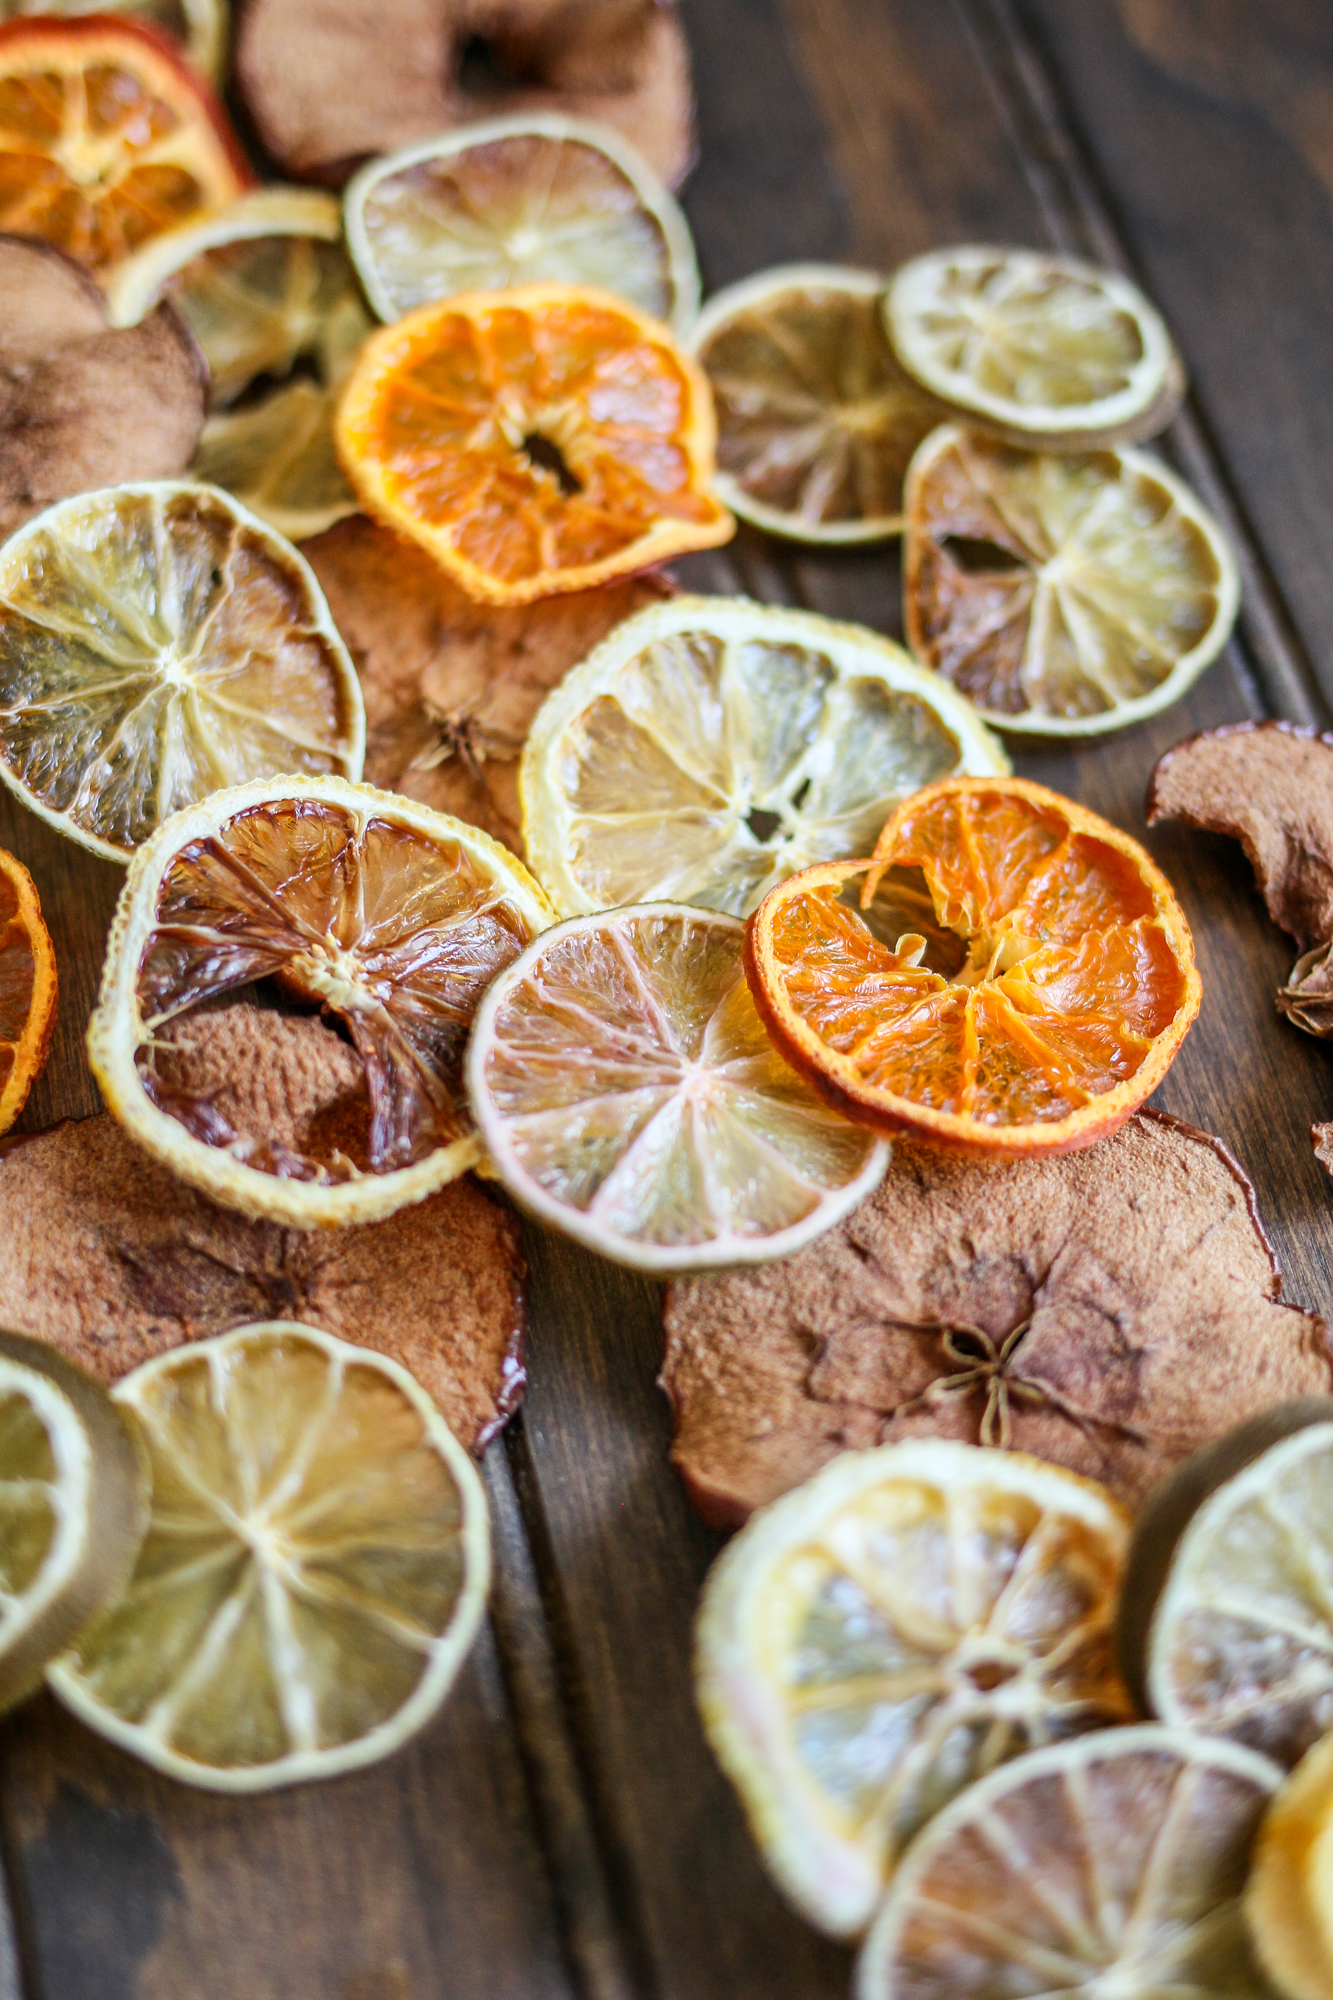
{"x": 33, "y": 1045}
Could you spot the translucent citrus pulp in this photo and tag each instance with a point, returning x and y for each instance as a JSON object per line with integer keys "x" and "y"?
{"x": 73, "y": 1506}
{"x": 532, "y": 199}
{"x": 268, "y": 292}
{"x": 389, "y": 916}
{"x": 534, "y": 441}
{"x": 1241, "y": 1641}
{"x": 200, "y": 26}
{"x": 314, "y": 1572}
{"x": 1043, "y": 347}
{"x": 106, "y": 137}
{"x": 1065, "y": 595}
{"x": 817, "y": 421}
{"x": 886, "y": 1634}
{"x": 710, "y": 747}
{"x": 1109, "y": 1866}
{"x": 627, "y": 1093}
{"x": 27, "y": 988}
{"x": 1289, "y": 1898}
{"x": 1012, "y": 975}
{"x": 157, "y": 643}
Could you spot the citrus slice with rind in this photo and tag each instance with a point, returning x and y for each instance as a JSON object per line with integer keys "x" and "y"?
{"x": 28, "y": 985}
{"x": 1012, "y": 975}
{"x": 73, "y": 1507}
{"x": 1289, "y": 1897}
{"x": 816, "y": 418}
{"x": 199, "y": 26}
{"x": 158, "y": 643}
{"x": 627, "y": 1094}
{"x": 1112, "y": 1865}
{"x": 107, "y": 138}
{"x": 390, "y": 917}
{"x": 1044, "y": 349}
{"x": 268, "y": 291}
{"x": 710, "y": 747}
{"x": 1066, "y": 595}
{"x": 314, "y": 1572}
{"x": 886, "y": 1634}
{"x": 532, "y": 199}
{"x": 534, "y": 441}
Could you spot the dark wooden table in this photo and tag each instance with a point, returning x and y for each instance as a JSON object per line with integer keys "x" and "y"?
{"x": 562, "y": 1831}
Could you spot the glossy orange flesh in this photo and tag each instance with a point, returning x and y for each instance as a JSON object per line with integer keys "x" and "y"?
{"x": 1012, "y": 973}
{"x": 27, "y": 988}
{"x": 535, "y": 441}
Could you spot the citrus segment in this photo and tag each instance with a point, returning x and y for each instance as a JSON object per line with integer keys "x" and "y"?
{"x": 388, "y": 916}
{"x": 627, "y": 1093}
{"x": 1064, "y": 595}
{"x": 106, "y": 137}
{"x": 710, "y": 747}
{"x": 314, "y": 1571}
{"x": 1013, "y": 974}
{"x": 531, "y": 199}
{"x": 158, "y": 643}
{"x": 817, "y": 421}
{"x": 27, "y": 988}
{"x": 73, "y": 1507}
{"x": 1113, "y": 1865}
{"x": 1043, "y": 347}
{"x": 890, "y": 1631}
{"x": 534, "y": 441}
{"x": 200, "y": 26}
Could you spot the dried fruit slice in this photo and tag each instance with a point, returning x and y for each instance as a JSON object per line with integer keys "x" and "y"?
{"x": 1111, "y": 1865}
{"x": 817, "y": 421}
{"x": 1047, "y": 350}
{"x": 1109, "y": 1310}
{"x": 27, "y": 988}
{"x": 200, "y": 26}
{"x": 888, "y": 1633}
{"x": 270, "y": 295}
{"x": 1289, "y": 1898}
{"x": 328, "y": 88}
{"x": 73, "y": 1507}
{"x": 451, "y": 686}
{"x": 1012, "y": 975}
{"x": 106, "y": 137}
{"x": 390, "y": 917}
{"x": 314, "y": 1572}
{"x": 158, "y": 643}
{"x": 627, "y": 1093}
{"x": 1066, "y": 596}
{"x": 533, "y": 441}
{"x": 533, "y": 199}
{"x": 1228, "y": 1620}
{"x": 437, "y": 1287}
{"x": 711, "y": 746}
{"x": 81, "y": 405}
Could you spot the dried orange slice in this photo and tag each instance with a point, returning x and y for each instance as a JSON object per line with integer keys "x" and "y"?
{"x": 537, "y": 440}
{"x": 200, "y": 26}
{"x": 1012, "y": 974}
{"x": 391, "y": 918}
{"x": 27, "y": 988}
{"x": 106, "y": 137}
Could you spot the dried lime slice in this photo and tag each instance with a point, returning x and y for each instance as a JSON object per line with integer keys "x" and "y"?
{"x": 314, "y": 1571}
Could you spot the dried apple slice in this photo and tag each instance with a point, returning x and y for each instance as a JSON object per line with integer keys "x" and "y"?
{"x": 1109, "y": 1310}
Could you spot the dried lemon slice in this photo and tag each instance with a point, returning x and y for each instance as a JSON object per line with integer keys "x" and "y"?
{"x": 1111, "y": 1866}
{"x": 268, "y": 292}
{"x": 628, "y": 1094}
{"x": 530, "y": 199}
{"x": 885, "y": 1634}
{"x": 73, "y": 1507}
{"x": 314, "y": 1571}
{"x": 1045, "y": 349}
{"x": 710, "y": 747}
{"x": 816, "y": 418}
{"x": 1289, "y": 1897}
{"x": 1064, "y": 595}
{"x": 389, "y": 916}
{"x": 158, "y": 643}
{"x": 200, "y": 26}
